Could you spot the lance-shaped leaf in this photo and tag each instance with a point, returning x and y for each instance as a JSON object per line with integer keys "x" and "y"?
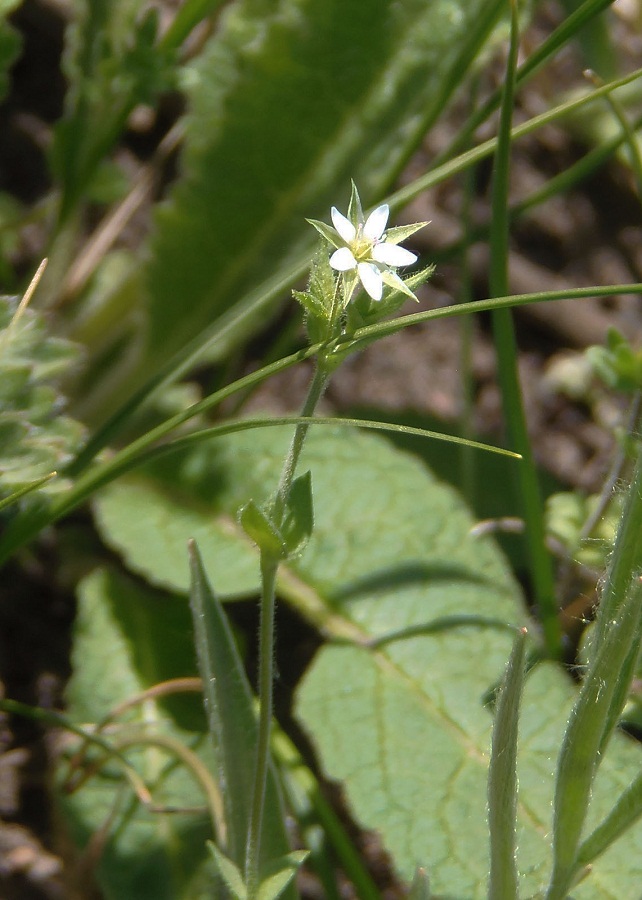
{"x": 502, "y": 779}
{"x": 232, "y": 723}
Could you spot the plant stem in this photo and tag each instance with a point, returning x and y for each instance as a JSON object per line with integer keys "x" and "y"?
{"x": 315, "y": 392}
{"x": 269, "y": 568}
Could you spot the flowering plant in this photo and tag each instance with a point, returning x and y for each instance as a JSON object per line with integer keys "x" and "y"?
{"x": 365, "y": 251}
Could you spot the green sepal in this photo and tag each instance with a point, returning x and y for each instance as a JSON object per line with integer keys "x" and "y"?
{"x": 258, "y": 525}
{"x": 311, "y": 304}
{"x": 363, "y": 311}
{"x": 229, "y": 872}
{"x": 399, "y": 233}
{"x": 355, "y": 210}
{"x": 316, "y": 329}
{"x": 299, "y": 515}
{"x": 397, "y": 284}
{"x": 327, "y": 232}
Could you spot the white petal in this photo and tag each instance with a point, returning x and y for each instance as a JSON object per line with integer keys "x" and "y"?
{"x": 393, "y": 255}
{"x": 371, "y": 280}
{"x": 342, "y": 260}
{"x": 343, "y": 226}
{"x": 376, "y": 222}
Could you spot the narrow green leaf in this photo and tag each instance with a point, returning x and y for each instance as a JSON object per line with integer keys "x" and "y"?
{"x": 229, "y": 872}
{"x": 502, "y": 779}
{"x": 232, "y": 723}
{"x": 581, "y": 753}
{"x": 187, "y": 17}
{"x": 625, "y": 813}
{"x": 27, "y": 489}
{"x": 279, "y": 874}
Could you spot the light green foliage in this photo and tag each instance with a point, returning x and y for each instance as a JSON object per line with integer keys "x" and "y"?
{"x": 126, "y": 640}
{"x": 566, "y": 513}
{"x": 112, "y": 63}
{"x": 289, "y": 102}
{"x": 371, "y": 515}
{"x": 419, "y": 776}
{"x": 390, "y": 549}
{"x": 594, "y": 715}
{"x": 150, "y": 522}
{"x": 35, "y": 438}
{"x": 420, "y": 887}
{"x": 618, "y": 364}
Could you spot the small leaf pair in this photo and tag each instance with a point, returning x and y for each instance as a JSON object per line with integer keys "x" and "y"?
{"x": 287, "y": 538}
{"x": 274, "y": 881}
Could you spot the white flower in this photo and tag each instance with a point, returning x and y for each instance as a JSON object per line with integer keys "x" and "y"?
{"x": 368, "y": 251}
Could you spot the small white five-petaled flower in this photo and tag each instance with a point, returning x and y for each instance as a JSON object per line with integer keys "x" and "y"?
{"x": 368, "y": 251}
{"x": 365, "y": 251}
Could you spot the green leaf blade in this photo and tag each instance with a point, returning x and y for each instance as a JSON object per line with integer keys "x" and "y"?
{"x": 233, "y": 724}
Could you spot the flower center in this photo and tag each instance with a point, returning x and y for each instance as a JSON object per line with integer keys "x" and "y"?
{"x": 362, "y": 246}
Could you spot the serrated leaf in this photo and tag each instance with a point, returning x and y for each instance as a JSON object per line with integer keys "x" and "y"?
{"x": 287, "y": 105}
{"x": 127, "y": 639}
{"x": 35, "y": 437}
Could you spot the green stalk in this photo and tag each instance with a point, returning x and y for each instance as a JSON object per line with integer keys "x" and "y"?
{"x": 508, "y": 374}
{"x": 269, "y": 568}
